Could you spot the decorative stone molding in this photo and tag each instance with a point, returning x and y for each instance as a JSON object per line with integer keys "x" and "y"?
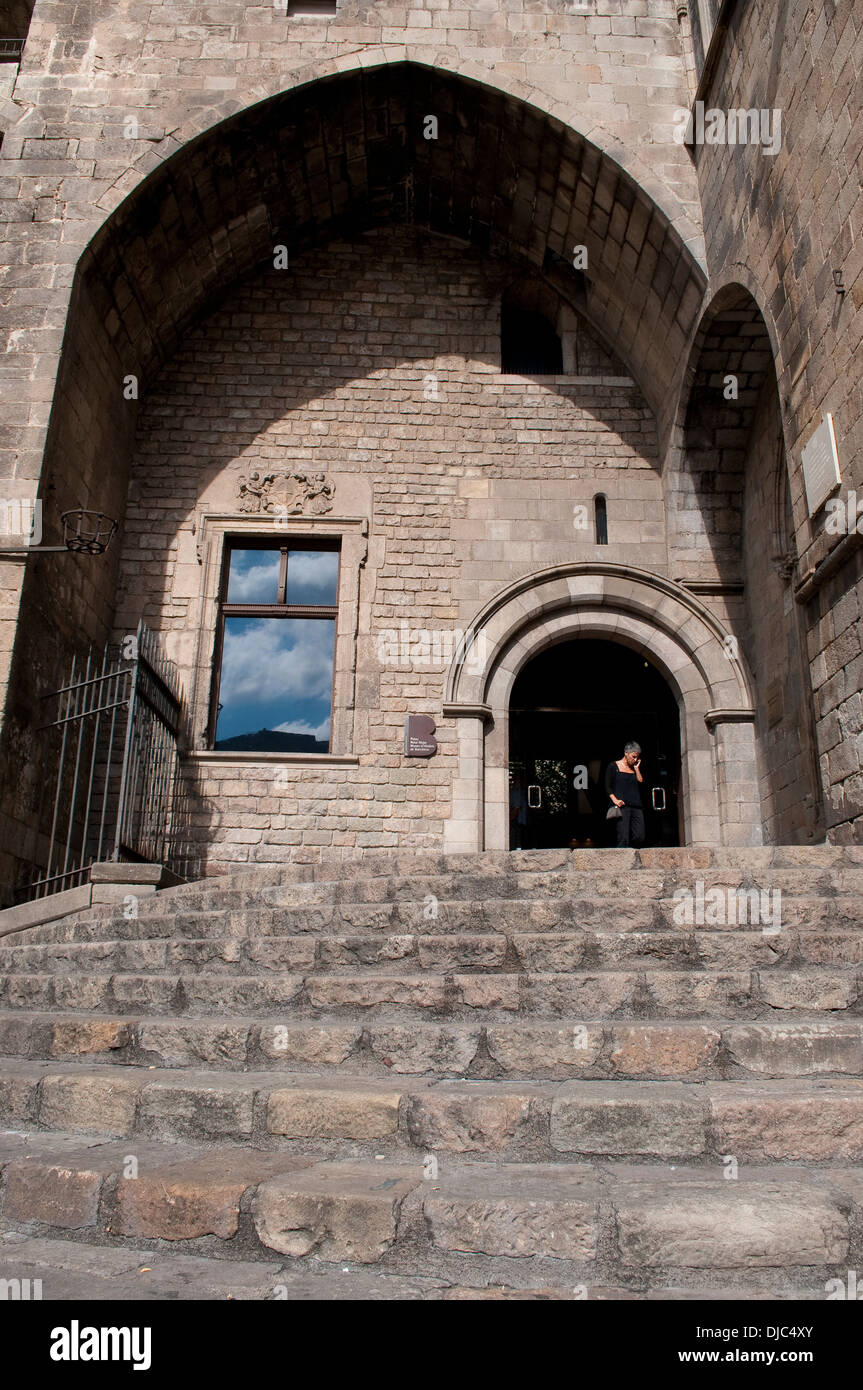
{"x": 729, "y": 716}
{"x": 635, "y": 608}
{"x": 211, "y": 530}
{"x": 620, "y": 588}
{"x": 455, "y": 711}
{"x": 207, "y": 524}
{"x": 286, "y": 494}
{"x": 211, "y": 755}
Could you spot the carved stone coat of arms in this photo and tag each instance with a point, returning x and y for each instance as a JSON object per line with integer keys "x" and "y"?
{"x": 286, "y": 494}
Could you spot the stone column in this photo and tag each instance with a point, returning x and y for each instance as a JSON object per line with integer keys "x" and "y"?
{"x": 736, "y": 771}
{"x": 464, "y": 831}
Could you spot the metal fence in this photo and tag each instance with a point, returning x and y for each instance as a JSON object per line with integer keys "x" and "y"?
{"x": 118, "y": 792}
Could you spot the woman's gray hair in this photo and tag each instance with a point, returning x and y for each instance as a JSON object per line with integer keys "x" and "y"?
{"x": 632, "y": 748}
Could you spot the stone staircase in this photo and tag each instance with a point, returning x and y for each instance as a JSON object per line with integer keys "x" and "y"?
{"x": 441, "y": 1077}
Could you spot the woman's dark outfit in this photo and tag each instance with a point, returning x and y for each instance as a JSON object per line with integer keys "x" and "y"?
{"x": 627, "y": 788}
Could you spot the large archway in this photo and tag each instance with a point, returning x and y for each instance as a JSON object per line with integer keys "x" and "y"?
{"x": 731, "y": 537}
{"x": 573, "y": 708}
{"x": 336, "y": 158}
{"x": 664, "y": 622}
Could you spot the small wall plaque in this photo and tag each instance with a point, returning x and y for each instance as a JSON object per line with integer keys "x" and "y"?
{"x": 821, "y": 465}
{"x": 419, "y": 736}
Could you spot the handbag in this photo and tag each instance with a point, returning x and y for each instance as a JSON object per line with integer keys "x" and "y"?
{"x": 613, "y": 813}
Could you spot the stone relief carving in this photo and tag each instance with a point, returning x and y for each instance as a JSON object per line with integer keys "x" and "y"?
{"x": 252, "y": 493}
{"x": 784, "y": 566}
{"x": 286, "y": 494}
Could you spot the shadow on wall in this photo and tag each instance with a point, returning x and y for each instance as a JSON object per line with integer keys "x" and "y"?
{"x": 300, "y": 171}
{"x": 729, "y": 522}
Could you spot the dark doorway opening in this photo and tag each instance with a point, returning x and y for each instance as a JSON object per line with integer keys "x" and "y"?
{"x": 573, "y": 708}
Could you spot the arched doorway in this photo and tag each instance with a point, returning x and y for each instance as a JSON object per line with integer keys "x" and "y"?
{"x": 662, "y": 623}
{"x": 572, "y": 709}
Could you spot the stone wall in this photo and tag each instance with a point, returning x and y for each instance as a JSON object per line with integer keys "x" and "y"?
{"x": 107, "y": 91}
{"x": 107, "y": 94}
{"x": 378, "y": 364}
{"x": 467, "y": 488}
{"x": 774, "y": 642}
{"x": 781, "y": 225}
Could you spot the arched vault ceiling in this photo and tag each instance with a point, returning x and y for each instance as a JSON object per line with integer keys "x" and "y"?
{"x": 344, "y": 154}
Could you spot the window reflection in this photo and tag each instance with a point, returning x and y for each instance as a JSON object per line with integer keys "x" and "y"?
{"x": 253, "y": 576}
{"x": 276, "y": 686}
{"x": 313, "y": 577}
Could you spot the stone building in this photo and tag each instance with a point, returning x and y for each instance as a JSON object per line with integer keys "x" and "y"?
{"x": 433, "y": 364}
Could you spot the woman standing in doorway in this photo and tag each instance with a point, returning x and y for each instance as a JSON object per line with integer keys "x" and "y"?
{"x": 623, "y": 783}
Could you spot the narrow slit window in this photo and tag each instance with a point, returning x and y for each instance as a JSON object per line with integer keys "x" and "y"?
{"x": 600, "y": 517}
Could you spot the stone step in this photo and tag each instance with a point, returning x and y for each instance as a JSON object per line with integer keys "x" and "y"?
{"x": 777, "y": 1231}
{"x": 751, "y": 1122}
{"x": 547, "y": 1050}
{"x": 638, "y": 884}
{"x": 72, "y": 1271}
{"x": 329, "y": 866}
{"x": 587, "y": 995}
{"x": 613, "y": 914}
{"x": 818, "y": 870}
{"x": 560, "y": 952}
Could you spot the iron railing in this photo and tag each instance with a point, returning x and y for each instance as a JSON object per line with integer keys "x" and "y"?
{"x": 11, "y": 50}
{"x": 118, "y": 793}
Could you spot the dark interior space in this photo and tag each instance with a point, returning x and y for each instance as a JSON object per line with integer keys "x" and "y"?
{"x": 573, "y": 709}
